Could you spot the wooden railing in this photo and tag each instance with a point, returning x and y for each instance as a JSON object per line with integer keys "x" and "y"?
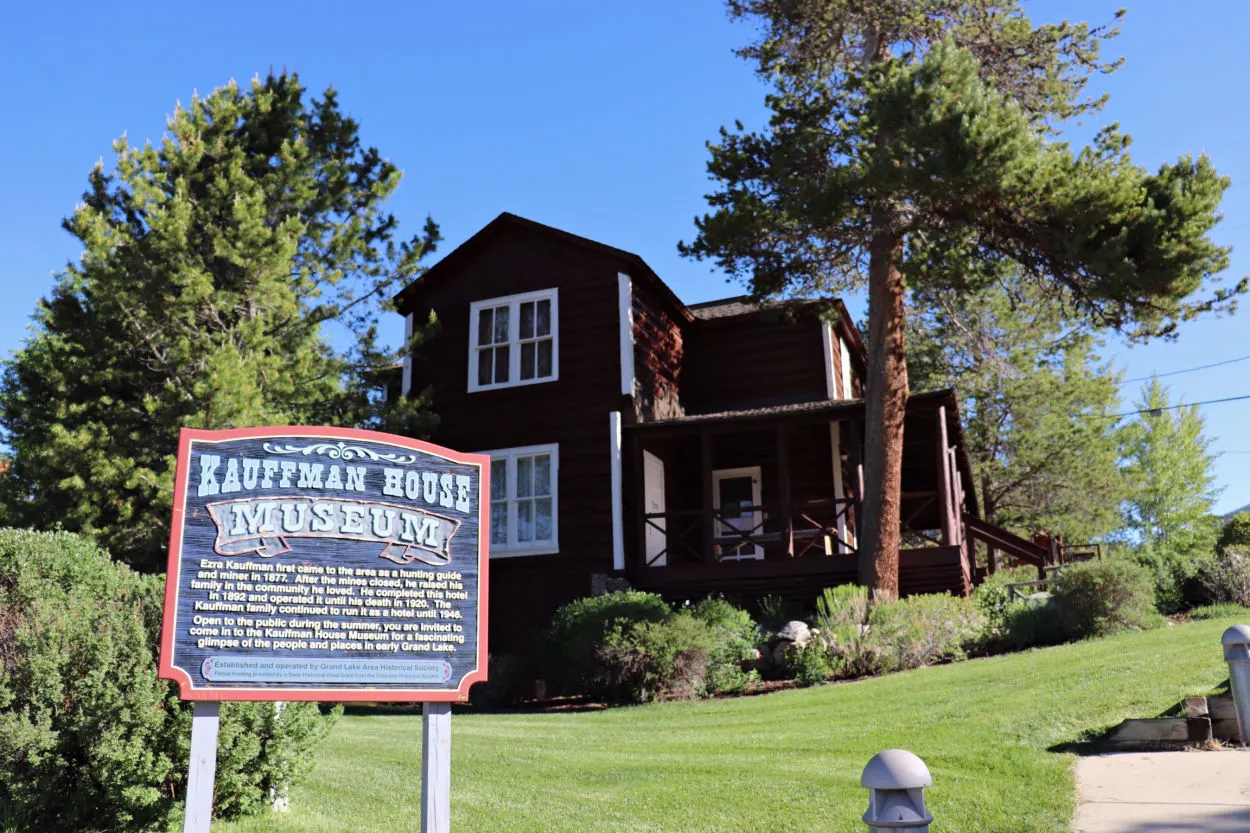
{"x": 738, "y": 533}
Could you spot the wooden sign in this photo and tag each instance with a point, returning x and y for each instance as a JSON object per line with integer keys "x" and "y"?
{"x": 325, "y": 564}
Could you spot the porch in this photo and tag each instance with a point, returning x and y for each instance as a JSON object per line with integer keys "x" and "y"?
{"x": 767, "y": 501}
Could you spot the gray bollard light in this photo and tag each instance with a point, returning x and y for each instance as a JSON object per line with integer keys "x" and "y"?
{"x": 1237, "y": 654}
{"x": 896, "y": 780}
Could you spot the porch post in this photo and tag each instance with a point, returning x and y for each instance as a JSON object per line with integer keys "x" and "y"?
{"x": 783, "y": 486}
{"x": 639, "y": 559}
{"x": 705, "y": 475}
{"x": 857, "y": 459}
{"x": 945, "y": 493}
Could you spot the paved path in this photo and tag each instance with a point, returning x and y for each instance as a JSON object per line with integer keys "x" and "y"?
{"x": 1152, "y": 792}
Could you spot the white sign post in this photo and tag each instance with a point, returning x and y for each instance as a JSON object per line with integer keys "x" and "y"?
{"x": 203, "y": 768}
{"x": 325, "y": 564}
{"x": 435, "y": 767}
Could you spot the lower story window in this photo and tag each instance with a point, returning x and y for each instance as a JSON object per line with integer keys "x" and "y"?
{"x": 523, "y": 504}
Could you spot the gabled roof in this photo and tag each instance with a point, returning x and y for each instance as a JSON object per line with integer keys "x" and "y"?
{"x": 741, "y": 305}
{"x": 638, "y": 268}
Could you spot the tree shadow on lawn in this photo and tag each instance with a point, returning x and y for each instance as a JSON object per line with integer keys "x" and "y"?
{"x": 1098, "y": 744}
{"x": 1223, "y": 821}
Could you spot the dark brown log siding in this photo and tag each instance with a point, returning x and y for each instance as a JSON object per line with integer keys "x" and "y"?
{"x": 571, "y": 412}
{"x": 752, "y": 360}
{"x": 658, "y": 356}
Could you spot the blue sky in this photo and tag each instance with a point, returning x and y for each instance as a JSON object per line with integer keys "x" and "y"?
{"x": 587, "y": 116}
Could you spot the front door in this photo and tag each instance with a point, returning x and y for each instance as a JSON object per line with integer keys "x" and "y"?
{"x": 656, "y": 534}
{"x": 737, "y": 494}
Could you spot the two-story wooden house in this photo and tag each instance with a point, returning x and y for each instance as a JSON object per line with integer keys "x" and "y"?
{"x": 687, "y": 449}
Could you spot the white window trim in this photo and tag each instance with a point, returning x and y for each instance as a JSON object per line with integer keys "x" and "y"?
{"x": 625, "y": 309}
{"x": 551, "y": 547}
{"x": 848, "y": 387}
{"x": 618, "y": 521}
{"x": 826, "y": 338}
{"x": 406, "y": 384}
{"x": 514, "y": 352}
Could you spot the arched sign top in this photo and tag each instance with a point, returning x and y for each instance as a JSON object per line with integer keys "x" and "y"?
{"x": 312, "y": 563}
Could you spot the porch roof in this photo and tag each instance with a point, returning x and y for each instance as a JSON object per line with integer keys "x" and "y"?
{"x": 815, "y": 411}
{"x": 920, "y": 406}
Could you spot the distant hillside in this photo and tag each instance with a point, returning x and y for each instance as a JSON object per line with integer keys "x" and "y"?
{"x": 1245, "y": 508}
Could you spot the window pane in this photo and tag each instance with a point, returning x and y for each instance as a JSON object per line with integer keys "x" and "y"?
{"x": 544, "y": 318}
{"x": 501, "y": 363}
{"x": 499, "y": 523}
{"x": 527, "y": 319}
{"x": 542, "y": 474}
{"x": 501, "y": 325}
{"x": 498, "y": 479}
{"x": 524, "y": 521}
{"x": 524, "y": 476}
{"x": 544, "y": 358}
{"x": 484, "y": 360}
{"x": 527, "y": 360}
{"x": 543, "y": 521}
{"x": 735, "y": 492}
{"x": 484, "y": 326}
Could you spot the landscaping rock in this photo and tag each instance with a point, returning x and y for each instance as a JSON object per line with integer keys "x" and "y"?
{"x": 795, "y": 632}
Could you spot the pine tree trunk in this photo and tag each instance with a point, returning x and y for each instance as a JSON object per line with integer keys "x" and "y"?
{"x": 885, "y": 393}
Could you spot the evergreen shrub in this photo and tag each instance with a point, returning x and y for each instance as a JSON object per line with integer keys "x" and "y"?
{"x": 631, "y": 646}
{"x": 922, "y": 630}
{"x": 1101, "y": 597}
{"x": 1234, "y": 533}
{"x": 90, "y": 739}
{"x": 1226, "y": 578}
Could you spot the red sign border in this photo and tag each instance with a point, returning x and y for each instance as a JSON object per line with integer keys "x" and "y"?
{"x": 356, "y": 694}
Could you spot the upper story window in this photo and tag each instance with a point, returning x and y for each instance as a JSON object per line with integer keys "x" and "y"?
{"x": 512, "y": 341}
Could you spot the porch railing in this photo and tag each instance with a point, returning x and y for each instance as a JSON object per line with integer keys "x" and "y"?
{"x": 740, "y": 533}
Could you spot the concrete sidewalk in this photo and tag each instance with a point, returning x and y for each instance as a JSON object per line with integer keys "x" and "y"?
{"x": 1151, "y": 792}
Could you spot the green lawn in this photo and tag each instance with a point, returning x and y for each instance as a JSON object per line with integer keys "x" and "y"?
{"x": 789, "y": 761}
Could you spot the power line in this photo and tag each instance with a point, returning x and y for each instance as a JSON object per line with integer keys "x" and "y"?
{"x": 1184, "y": 405}
{"x": 1185, "y": 370}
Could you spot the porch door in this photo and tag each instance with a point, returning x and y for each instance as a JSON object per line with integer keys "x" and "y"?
{"x": 656, "y": 534}
{"x": 736, "y": 490}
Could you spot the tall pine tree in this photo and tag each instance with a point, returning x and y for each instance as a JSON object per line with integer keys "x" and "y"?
{"x": 916, "y": 144}
{"x": 212, "y": 265}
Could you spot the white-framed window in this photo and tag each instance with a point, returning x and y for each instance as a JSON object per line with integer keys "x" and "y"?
{"x": 524, "y": 510}
{"x": 513, "y": 341}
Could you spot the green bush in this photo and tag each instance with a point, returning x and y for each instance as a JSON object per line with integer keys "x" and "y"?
{"x": 861, "y": 639}
{"x": 1234, "y": 533}
{"x": 1101, "y": 597}
{"x": 644, "y": 660}
{"x": 735, "y": 646}
{"x": 90, "y": 739}
{"x": 631, "y": 646}
{"x": 921, "y": 630}
{"x": 1226, "y": 578}
{"x": 1027, "y": 623}
{"x": 579, "y": 628}
{"x": 994, "y": 600}
{"x": 808, "y": 664}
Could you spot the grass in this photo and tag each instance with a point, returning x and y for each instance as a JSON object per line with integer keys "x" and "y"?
{"x": 789, "y": 761}
{"x": 1222, "y": 610}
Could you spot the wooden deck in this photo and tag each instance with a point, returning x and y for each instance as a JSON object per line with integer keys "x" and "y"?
{"x": 927, "y": 570}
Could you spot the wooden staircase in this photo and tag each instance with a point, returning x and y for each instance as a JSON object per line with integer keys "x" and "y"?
{"x": 1009, "y": 543}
